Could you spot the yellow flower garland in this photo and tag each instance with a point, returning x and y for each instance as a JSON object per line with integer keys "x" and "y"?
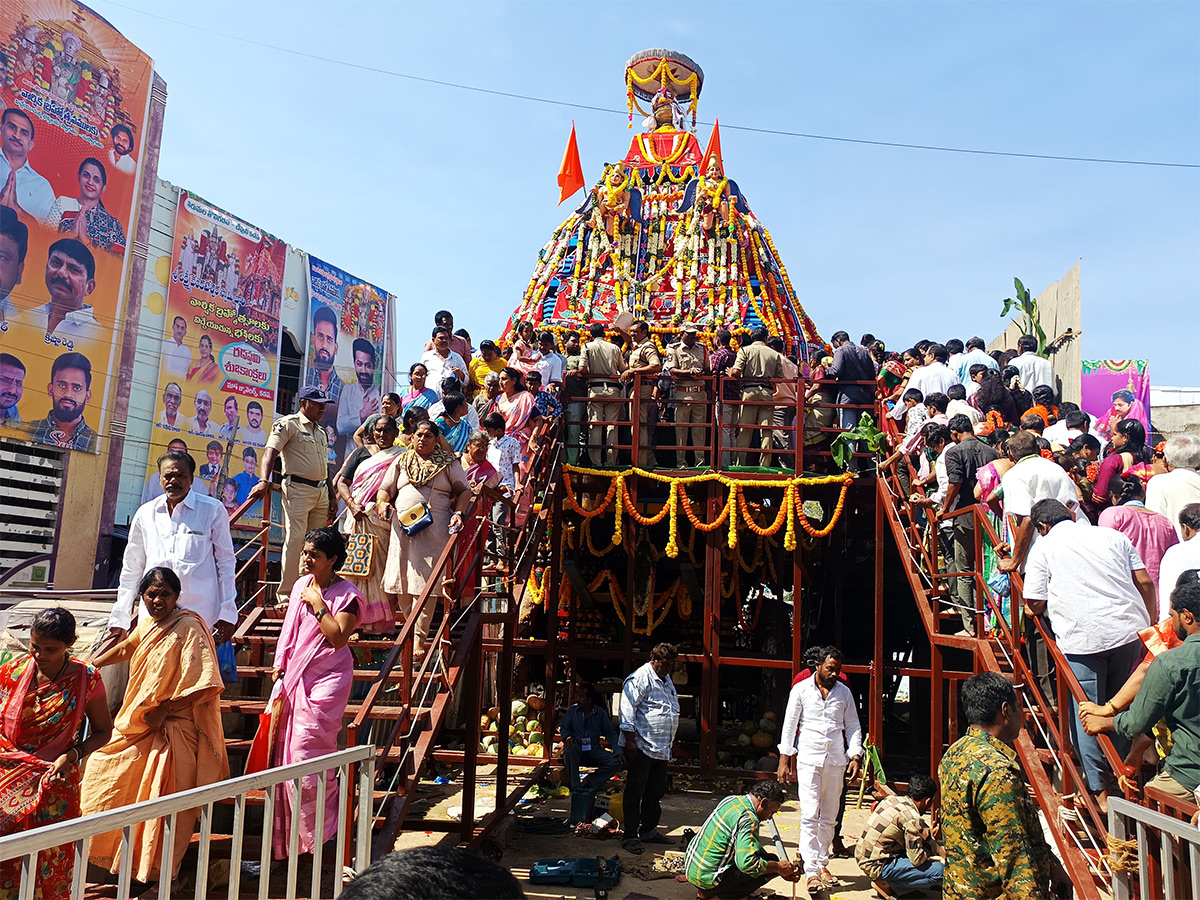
{"x": 790, "y": 509}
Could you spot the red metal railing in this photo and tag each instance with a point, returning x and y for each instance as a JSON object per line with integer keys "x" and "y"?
{"x": 1074, "y": 815}
{"x": 783, "y": 418}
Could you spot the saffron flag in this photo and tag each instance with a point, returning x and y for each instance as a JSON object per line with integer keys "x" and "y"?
{"x": 570, "y": 173}
{"x": 714, "y": 149}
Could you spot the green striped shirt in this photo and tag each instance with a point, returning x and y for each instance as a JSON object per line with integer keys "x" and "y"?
{"x": 729, "y": 838}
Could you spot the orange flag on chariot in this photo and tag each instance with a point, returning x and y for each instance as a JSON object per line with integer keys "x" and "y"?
{"x": 714, "y": 149}
{"x": 570, "y": 173}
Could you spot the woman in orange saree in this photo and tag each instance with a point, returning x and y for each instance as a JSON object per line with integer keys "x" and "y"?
{"x": 168, "y": 735}
{"x": 44, "y": 698}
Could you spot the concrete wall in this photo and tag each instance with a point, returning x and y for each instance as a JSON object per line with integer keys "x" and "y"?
{"x": 1060, "y": 312}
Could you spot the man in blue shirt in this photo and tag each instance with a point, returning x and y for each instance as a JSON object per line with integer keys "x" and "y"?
{"x": 582, "y": 727}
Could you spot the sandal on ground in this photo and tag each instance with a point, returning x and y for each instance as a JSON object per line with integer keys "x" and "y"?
{"x": 814, "y": 885}
{"x": 829, "y": 879}
{"x": 634, "y": 846}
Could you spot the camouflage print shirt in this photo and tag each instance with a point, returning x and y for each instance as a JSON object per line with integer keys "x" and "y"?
{"x": 993, "y": 840}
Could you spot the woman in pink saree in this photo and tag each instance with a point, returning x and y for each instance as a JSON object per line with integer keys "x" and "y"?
{"x": 519, "y": 409}
{"x": 314, "y": 672}
{"x": 1124, "y": 406}
{"x": 378, "y": 612}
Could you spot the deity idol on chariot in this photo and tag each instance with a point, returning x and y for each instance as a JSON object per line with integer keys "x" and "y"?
{"x": 665, "y": 235}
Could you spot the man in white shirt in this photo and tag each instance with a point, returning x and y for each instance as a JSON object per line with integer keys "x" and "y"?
{"x": 1070, "y": 425}
{"x": 1035, "y": 370}
{"x": 551, "y": 363}
{"x": 820, "y": 736}
{"x": 202, "y": 425}
{"x": 1179, "y": 558}
{"x": 460, "y": 345}
{"x": 121, "y": 154}
{"x": 1094, "y": 588}
{"x": 1169, "y": 492}
{"x": 441, "y": 361}
{"x": 935, "y": 376}
{"x": 976, "y": 355}
{"x": 170, "y": 418}
{"x": 1033, "y": 478}
{"x": 23, "y": 190}
{"x": 189, "y": 534}
{"x": 252, "y": 432}
{"x": 649, "y": 719}
{"x": 70, "y": 277}
{"x": 176, "y": 357}
{"x": 361, "y": 398}
{"x": 958, "y": 405}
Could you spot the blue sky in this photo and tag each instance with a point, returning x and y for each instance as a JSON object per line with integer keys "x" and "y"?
{"x": 445, "y": 196}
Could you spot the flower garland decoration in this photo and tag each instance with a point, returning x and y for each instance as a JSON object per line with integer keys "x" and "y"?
{"x": 790, "y": 509}
{"x": 678, "y": 145}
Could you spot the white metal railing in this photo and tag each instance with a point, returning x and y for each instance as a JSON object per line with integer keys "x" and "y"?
{"x": 1178, "y": 850}
{"x": 79, "y": 832}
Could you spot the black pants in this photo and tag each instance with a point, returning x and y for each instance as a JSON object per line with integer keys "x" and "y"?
{"x": 645, "y": 784}
{"x": 733, "y": 882}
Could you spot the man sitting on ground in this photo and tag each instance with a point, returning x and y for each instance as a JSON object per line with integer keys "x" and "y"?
{"x": 897, "y": 849}
{"x": 727, "y": 859}
{"x": 582, "y": 727}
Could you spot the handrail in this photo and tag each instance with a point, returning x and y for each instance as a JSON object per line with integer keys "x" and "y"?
{"x": 1177, "y": 840}
{"x": 713, "y": 450}
{"x": 1056, "y": 735}
{"x": 27, "y": 844}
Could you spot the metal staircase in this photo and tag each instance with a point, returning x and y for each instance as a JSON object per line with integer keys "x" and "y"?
{"x": 474, "y": 591}
{"x": 1071, "y": 815}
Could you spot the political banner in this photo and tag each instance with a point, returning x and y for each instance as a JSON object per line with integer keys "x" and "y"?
{"x": 346, "y": 330}
{"x": 220, "y": 349}
{"x": 1115, "y": 389}
{"x": 75, "y": 97}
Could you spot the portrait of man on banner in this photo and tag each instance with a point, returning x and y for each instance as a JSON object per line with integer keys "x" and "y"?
{"x": 67, "y": 198}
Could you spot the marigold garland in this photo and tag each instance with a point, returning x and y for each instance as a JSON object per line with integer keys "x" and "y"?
{"x": 790, "y": 508}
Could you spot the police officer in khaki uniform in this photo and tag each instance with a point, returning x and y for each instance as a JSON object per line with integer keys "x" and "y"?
{"x": 686, "y": 360}
{"x": 755, "y": 364}
{"x": 645, "y": 361}
{"x": 602, "y": 364}
{"x": 301, "y": 443}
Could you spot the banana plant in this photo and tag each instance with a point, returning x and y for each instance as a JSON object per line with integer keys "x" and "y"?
{"x": 1030, "y": 321}
{"x": 864, "y": 432}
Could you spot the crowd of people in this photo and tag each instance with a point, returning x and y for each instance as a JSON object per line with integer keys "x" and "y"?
{"x": 1101, "y": 525}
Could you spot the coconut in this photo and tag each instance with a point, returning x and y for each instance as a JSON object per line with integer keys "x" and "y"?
{"x": 484, "y": 722}
{"x": 492, "y": 726}
{"x": 536, "y": 703}
{"x": 519, "y": 708}
{"x": 494, "y": 713}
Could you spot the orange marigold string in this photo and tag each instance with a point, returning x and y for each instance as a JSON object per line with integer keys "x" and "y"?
{"x": 686, "y": 503}
{"x": 573, "y": 503}
{"x": 784, "y": 509}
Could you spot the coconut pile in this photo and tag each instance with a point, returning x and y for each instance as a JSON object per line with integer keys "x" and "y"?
{"x": 753, "y": 747}
{"x": 525, "y": 735}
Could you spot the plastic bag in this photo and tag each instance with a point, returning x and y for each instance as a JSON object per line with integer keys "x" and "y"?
{"x": 227, "y": 660}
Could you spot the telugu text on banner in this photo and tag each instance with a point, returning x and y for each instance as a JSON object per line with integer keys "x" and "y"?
{"x": 75, "y": 95}
{"x": 220, "y": 349}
